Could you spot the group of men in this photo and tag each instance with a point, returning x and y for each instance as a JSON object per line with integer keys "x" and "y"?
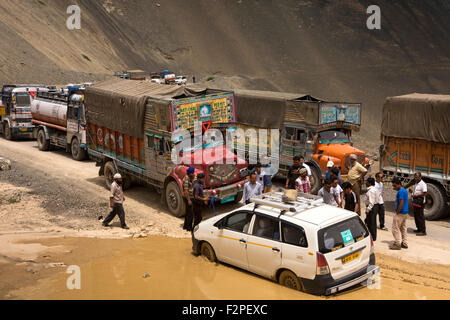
{"x": 334, "y": 192}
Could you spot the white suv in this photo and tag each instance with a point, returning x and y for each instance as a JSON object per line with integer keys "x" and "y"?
{"x": 305, "y": 245}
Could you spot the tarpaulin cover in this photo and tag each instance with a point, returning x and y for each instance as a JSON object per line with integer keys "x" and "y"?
{"x": 417, "y": 116}
{"x": 119, "y": 104}
{"x": 267, "y": 109}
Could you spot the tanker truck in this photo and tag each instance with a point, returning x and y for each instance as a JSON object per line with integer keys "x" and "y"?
{"x": 59, "y": 121}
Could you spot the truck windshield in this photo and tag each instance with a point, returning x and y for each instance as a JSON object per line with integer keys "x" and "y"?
{"x": 23, "y": 100}
{"x": 333, "y": 136}
{"x": 207, "y": 145}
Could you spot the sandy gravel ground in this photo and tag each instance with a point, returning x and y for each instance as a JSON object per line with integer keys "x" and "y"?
{"x": 49, "y": 206}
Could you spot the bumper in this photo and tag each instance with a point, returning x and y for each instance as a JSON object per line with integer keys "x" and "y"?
{"x": 195, "y": 245}
{"x": 227, "y": 191}
{"x": 22, "y": 131}
{"x": 326, "y": 285}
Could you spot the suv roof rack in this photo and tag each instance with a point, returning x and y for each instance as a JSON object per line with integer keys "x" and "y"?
{"x": 275, "y": 200}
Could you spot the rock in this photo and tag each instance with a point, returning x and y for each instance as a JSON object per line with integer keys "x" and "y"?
{"x": 145, "y": 275}
{"x": 5, "y": 164}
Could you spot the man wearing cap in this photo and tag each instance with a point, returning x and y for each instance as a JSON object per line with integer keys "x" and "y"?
{"x": 116, "y": 200}
{"x": 199, "y": 198}
{"x": 188, "y": 192}
{"x": 330, "y": 165}
{"x": 356, "y": 174}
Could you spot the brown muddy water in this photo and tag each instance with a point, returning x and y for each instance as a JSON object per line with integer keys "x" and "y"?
{"x": 164, "y": 268}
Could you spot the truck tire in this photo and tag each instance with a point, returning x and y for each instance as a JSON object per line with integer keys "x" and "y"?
{"x": 78, "y": 153}
{"x": 109, "y": 173}
{"x": 435, "y": 207}
{"x": 43, "y": 143}
{"x": 316, "y": 181}
{"x": 174, "y": 200}
{"x": 7, "y": 132}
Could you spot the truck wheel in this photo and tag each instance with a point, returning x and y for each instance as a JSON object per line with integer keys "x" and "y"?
{"x": 435, "y": 205}
{"x": 316, "y": 181}
{"x": 43, "y": 143}
{"x": 78, "y": 153}
{"x": 7, "y": 132}
{"x": 175, "y": 200}
{"x": 238, "y": 197}
{"x": 109, "y": 173}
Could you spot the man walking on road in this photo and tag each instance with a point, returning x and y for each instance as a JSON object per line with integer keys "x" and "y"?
{"x": 419, "y": 194}
{"x": 379, "y": 186}
{"x": 400, "y": 217}
{"x": 355, "y": 177}
{"x": 116, "y": 200}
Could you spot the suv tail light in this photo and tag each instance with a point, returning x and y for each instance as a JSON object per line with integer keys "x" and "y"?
{"x": 372, "y": 249}
{"x": 322, "y": 265}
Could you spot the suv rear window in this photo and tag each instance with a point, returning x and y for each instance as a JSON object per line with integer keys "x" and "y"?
{"x": 341, "y": 234}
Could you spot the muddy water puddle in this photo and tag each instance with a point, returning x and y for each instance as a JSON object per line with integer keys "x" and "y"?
{"x": 164, "y": 268}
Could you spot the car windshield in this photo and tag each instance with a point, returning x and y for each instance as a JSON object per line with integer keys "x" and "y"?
{"x": 332, "y": 136}
{"x": 341, "y": 234}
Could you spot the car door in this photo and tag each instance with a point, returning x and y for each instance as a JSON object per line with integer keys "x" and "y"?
{"x": 232, "y": 238}
{"x": 296, "y": 256}
{"x": 264, "y": 246}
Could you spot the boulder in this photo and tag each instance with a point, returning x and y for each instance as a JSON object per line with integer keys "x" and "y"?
{"x": 5, "y": 164}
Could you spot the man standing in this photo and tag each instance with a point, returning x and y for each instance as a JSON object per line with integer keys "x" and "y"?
{"x": 308, "y": 169}
{"x": 328, "y": 194}
{"x": 293, "y": 173}
{"x": 252, "y": 188}
{"x": 355, "y": 177}
{"x": 379, "y": 186}
{"x": 351, "y": 202}
{"x": 419, "y": 193}
{"x": 372, "y": 199}
{"x": 116, "y": 200}
{"x": 401, "y": 214}
{"x": 302, "y": 183}
{"x": 338, "y": 190}
{"x": 199, "y": 199}
{"x": 330, "y": 165}
{"x": 188, "y": 190}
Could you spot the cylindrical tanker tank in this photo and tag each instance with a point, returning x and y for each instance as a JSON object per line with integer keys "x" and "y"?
{"x": 53, "y": 112}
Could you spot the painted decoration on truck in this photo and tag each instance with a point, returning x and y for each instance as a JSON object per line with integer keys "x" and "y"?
{"x": 340, "y": 112}
{"x": 218, "y": 109}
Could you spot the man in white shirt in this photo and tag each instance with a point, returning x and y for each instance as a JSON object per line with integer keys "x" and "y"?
{"x": 419, "y": 194}
{"x": 338, "y": 190}
{"x": 328, "y": 194}
{"x": 372, "y": 199}
{"x": 308, "y": 169}
{"x": 252, "y": 188}
{"x": 379, "y": 186}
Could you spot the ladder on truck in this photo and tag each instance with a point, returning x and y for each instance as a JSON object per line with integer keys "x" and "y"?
{"x": 278, "y": 200}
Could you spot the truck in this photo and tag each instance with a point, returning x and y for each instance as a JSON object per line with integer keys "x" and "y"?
{"x": 415, "y": 134}
{"x": 59, "y": 121}
{"x": 306, "y": 126}
{"x": 15, "y": 113}
{"x": 132, "y": 74}
{"x": 133, "y": 129}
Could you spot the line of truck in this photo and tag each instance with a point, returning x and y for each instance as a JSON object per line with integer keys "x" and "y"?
{"x": 127, "y": 126}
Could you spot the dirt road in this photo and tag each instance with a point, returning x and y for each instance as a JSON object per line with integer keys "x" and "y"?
{"x": 49, "y": 206}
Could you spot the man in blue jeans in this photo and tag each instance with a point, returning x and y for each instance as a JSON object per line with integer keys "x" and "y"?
{"x": 400, "y": 217}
